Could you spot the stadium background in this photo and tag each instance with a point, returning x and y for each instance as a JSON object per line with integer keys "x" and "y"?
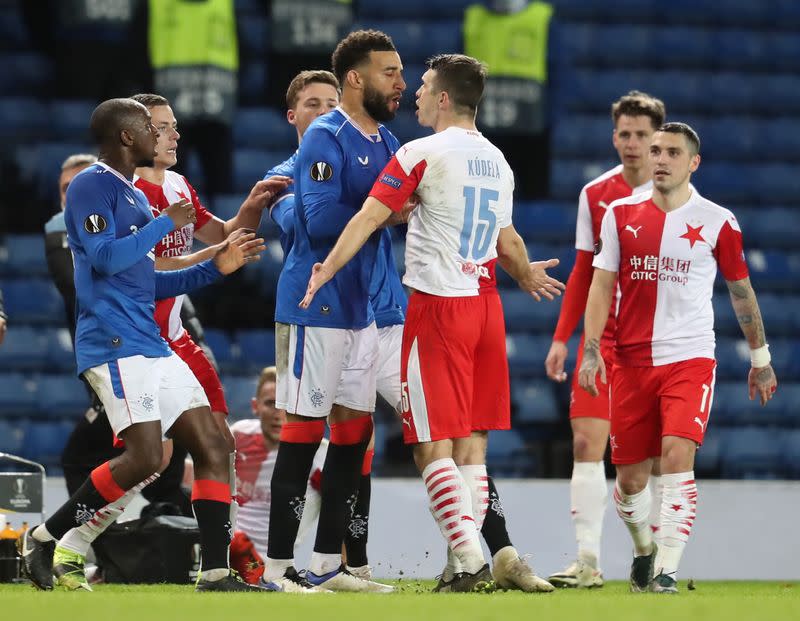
{"x": 728, "y": 67}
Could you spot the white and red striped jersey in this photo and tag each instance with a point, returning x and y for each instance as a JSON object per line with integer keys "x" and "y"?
{"x": 594, "y": 199}
{"x": 176, "y": 244}
{"x": 667, "y": 263}
{"x": 465, "y": 187}
{"x": 254, "y": 467}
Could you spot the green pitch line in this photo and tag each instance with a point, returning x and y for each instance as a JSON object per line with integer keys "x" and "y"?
{"x": 712, "y": 601}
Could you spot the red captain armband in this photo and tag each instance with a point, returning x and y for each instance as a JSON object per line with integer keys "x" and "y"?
{"x": 394, "y": 186}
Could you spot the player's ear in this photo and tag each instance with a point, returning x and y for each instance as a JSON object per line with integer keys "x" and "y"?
{"x": 125, "y": 137}
{"x": 353, "y": 79}
{"x": 291, "y": 117}
{"x": 694, "y": 162}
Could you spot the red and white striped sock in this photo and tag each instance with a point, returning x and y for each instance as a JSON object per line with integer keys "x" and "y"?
{"x": 634, "y": 509}
{"x": 657, "y": 491}
{"x": 477, "y": 481}
{"x": 451, "y": 507}
{"x": 678, "y": 510}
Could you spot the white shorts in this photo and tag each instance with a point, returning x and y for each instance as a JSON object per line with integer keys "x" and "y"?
{"x": 390, "y": 342}
{"x": 318, "y": 367}
{"x": 138, "y": 389}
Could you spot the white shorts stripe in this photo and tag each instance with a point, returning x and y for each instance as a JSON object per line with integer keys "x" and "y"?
{"x": 416, "y": 395}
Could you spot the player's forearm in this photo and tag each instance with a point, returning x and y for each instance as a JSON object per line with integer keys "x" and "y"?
{"x": 249, "y": 217}
{"x": 513, "y": 257}
{"x": 168, "y": 264}
{"x": 748, "y": 314}
{"x": 170, "y": 284}
{"x": 575, "y": 297}
{"x": 597, "y": 305}
{"x": 110, "y": 257}
{"x": 354, "y": 236}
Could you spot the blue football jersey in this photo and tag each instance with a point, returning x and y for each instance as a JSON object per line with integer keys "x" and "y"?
{"x": 111, "y": 233}
{"x": 387, "y": 295}
{"x": 335, "y": 169}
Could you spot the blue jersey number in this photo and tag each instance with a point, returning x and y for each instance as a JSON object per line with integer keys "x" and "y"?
{"x": 484, "y": 229}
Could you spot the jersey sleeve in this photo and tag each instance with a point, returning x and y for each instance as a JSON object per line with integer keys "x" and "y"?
{"x": 399, "y": 179}
{"x": 729, "y": 251}
{"x": 174, "y": 282}
{"x": 90, "y": 212}
{"x": 573, "y": 303}
{"x": 606, "y": 252}
{"x": 203, "y": 214}
{"x": 321, "y": 162}
{"x": 584, "y": 235}
{"x": 282, "y": 211}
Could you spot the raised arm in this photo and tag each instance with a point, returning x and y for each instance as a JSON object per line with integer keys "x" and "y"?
{"x": 167, "y": 264}
{"x": 761, "y": 379}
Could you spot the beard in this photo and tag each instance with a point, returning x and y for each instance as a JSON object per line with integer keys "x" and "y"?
{"x": 376, "y": 105}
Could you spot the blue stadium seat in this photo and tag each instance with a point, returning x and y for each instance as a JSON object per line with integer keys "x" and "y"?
{"x": 24, "y": 119}
{"x": 44, "y": 441}
{"x": 257, "y": 347}
{"x": 33, "y": 75}
{"x": 411, "y": 9}
{"x": 24, "y": 256}
{"x": 503, "y": 444}
{"x": 253, "y": 82}
{"x": 751, "y": 453}
{"x": 17, "y": 394}
{"x": 249, "y": 166}
{"x": 264, "y": 128}
{"x": 777, "y": 94}
{"x": 524, "y": 314}
{"x": 405, "y": 125}
{"x": 783, "y": 49}
{"x": 225, "y": 352}
{"x": 546, "y": 221}
{"x": 33, "y": 301}
{"x": 567, "y": 177}
{"x": 774, "y": 269}
{"x": 70, "y": 119}
{"x": 706, "y": 459}
{"x": 740, "y": 49}
{"x": 534, "y": 402}
{"x": 733, "y": 358}
{"x": 253, "y": 36}
{"x": 60, "y": 353}
{"x": 61, "y": 395}
{"x": 41, "y": 165}
{"x": 733, "y": 407}
{"x": 238, "y": 393}
{"x": 769, "y": 227}
{"x": 416, "y": 41}
{"x": 729, "y": 138}
{"x": 226, "y": 206}
{"x": 24, "y": 349}
{"x": 730, "y": 182}
{"x": 12, "y": 436}
{"x": 791, "y": 452}
{"x": 13, "y": 30}
{"x": 270, "y": 267}
{"x": 778, "y": 183}
{"x": 580, "y": 136}
{"x": 526, "y": 353}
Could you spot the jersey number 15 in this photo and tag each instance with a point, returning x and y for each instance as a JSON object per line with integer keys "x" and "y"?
{"x": 476, "y": 236}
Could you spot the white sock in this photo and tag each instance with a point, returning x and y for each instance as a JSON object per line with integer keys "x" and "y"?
{"x": 212, "y": 575}
{"x": 477, "y": 480}
{"x": 678, "y": 510}
{"x": 634, "y": 511}
{"x": 451, "y": 506}
{"x": 40, "y": 533}
{"x": 588, "y": 496}
{"x": 656, "y": 490}
{"x": 234, "y": 511}
{"x": 275, "y": 568}
{"x": 453, "y": 566}
{"x": 80, "y": 538}
{"x": 324, "y": 563}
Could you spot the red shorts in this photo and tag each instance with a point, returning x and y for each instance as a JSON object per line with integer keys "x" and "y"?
{"x": 648, "y": 403}
{"x": 581, "y": 403}
{"x": 454, "y": 369}
{"x": 188, "y": 351}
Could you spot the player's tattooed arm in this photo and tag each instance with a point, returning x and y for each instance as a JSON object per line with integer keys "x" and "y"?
{"x": 748, "y": 314}
{"x": 761, "y": 381}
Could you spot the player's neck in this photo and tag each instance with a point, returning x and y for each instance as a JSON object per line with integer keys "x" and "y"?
{"x": 670, "y": 201}
{"x": 446, "y": 121}
{"x": 354, "y": 108}
{"x": 151, "y": 174}
{"x": 118, "y": 162}
{"x": 635, "y": 177}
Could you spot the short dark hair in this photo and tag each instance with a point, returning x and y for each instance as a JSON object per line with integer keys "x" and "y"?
{"x": 355, "y": 48}
{"x": 462, "y": 77}
{"x": 691, "y": 136}
{"x": 150, "y": 100}
{"x": 112, "y": 116}
{"x": 303, "y": 79}
{"x": 637, "y": 103}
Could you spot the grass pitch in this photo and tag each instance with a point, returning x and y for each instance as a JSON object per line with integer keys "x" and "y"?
{"x": 712, "y": 601}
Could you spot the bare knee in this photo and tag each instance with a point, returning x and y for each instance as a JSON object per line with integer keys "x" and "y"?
{"x": 585, "y": 447}
{"x": 144, "y": 461}
{"x": 633, "y": 478}
{"x": 677, "y": 454}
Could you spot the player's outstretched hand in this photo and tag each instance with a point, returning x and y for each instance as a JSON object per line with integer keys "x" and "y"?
{"x": 539, "y": 284}
{"x": 319, "y": 276}
{"x": 242, "y": 246}
{"x": 592, "y": 364}
{"x": 762, "y": 382}
{"x": 181, "y": 213}
{"x": 265, "y": 190}
{"x": 554, "y": 363}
